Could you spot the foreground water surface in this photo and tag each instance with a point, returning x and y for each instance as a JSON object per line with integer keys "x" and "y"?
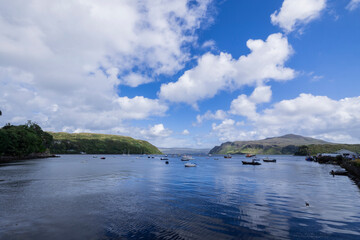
{"x": 135, "y": 197}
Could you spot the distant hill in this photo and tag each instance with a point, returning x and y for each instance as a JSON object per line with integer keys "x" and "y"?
{"x": 287, "y": 144}
{"x": 184, "y": 151}
{"x": 92, "y": 143}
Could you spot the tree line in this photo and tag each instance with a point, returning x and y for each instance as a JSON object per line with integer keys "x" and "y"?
{"x": 23, "y": 140}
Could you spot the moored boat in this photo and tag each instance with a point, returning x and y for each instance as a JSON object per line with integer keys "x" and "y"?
{"x": 186, "y": 158}
{"x": 250, "y": 155}
{"x": 269, "y": 160}
{"x": 228, "y": 156}
{"x": 190, "y": 164}
{"x": 251, "y": 163}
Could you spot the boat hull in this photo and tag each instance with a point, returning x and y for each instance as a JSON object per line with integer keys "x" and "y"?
{"x": 250, "y": 163}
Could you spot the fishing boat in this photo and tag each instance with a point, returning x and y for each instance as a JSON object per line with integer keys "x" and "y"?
{"x": 250, "y": 155}
{"x": 269, "y": 160}
{"x": 228, "y": 156}
{"x": 251, "y": 163}
{"x": 164, "y": 158}
{"x": 102, "y": 158}
{"x": 186, "y": 158}
{"x": 309, "y": 158}
{"x": 190, "y": 165}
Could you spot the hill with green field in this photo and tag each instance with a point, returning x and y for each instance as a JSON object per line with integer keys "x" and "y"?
{"x": 287, "y": 144}
{"x": 91, "y": 143}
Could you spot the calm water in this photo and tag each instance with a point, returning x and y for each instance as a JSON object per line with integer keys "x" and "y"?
{"x": 133, "y": 197}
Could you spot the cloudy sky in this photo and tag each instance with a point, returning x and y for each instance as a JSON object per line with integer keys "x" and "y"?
{"x": 183, "y": 73}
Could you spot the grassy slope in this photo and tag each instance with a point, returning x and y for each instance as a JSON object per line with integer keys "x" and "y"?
{"x": 99, "y": 143}
{"x": 286, "y": 144}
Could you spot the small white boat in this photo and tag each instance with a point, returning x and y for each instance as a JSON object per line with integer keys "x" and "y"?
{"x": 186, "y": 158}
{"x": 190, "y": 165}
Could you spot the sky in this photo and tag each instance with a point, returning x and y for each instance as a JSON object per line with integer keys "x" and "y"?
{"x": 183, "y": 73}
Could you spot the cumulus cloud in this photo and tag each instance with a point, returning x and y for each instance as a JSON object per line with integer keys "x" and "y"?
{"x": 61, "y": 62}
{"x": 230, "y": 130}
{"x": 214, "y": 73}
{"x": 246, "y": 106}
{"x": 243, "y": 106}
{"x": 261, "y": 94}
{"x": 309, "y": 115}
{"x": 295, "y": 13}
{"x": 353, "y": 4}
{"x": 218, "y": 115}
{"x": 139, "y": 107}
{"x": 185, "y": 132}
{"x": 155, "y": 131}
{"x": 313, "y": 115}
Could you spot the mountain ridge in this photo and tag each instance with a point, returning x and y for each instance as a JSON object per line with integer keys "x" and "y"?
{"x": 286, "y": 144}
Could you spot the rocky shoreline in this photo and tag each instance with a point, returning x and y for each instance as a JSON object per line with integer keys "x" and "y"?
{"x": 353, "y": 170}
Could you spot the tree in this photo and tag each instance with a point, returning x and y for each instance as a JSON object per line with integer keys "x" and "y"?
{"x": 302, "y": 151}
{"x": 23, "y": 140}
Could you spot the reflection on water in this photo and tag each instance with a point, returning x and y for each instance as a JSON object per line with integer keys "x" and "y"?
{"x": 132, "y": 197}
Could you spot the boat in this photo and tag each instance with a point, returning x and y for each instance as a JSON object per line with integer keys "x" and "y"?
{"x": 269, "y": 160}
{"x": 309, "y": 158}
{"x": 251, "y": 163}
{"x": 339, "y": 172}
{"x": 190, "y": 164}
{"x": 228, "y": 156}
{"x": 250, "y": 155}
{"x": 186, "y": 158}
{"x": 102, "y": 158}
{"x": 164, "y": 158}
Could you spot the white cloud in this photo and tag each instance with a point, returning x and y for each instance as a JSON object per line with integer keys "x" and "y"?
{"x": 353, "y": 4}
{"x": 209, "y": 44}
{"x": 185, "y": 132}
{"x": 156, "y": 131}
{"x": 229, "y": 130}
{"x": 261, "y": 94}
{"x": 309, "y": 115}
{"x": 295, "y": 13}
{"x": 246, "y": 106}
{"x": 218, "y": 115}
{"x": 135, "y": 79}
{"x": 221, "y": 72}
{"x": 60, "y": 61}
{"x": 139, "y": 107}
{"x": 313, "y": 115}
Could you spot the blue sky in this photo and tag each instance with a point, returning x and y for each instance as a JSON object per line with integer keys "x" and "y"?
{"x": 183, "y": 73}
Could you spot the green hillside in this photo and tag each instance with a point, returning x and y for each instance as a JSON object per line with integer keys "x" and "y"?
{"x": 92, "y": 143}
{"x": 330, "y": 148}
{"x": 287, "y": 144}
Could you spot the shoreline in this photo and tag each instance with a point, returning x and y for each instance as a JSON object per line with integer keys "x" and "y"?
{"x": 9, "y": 159}
{"x": 353, "y": 172}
